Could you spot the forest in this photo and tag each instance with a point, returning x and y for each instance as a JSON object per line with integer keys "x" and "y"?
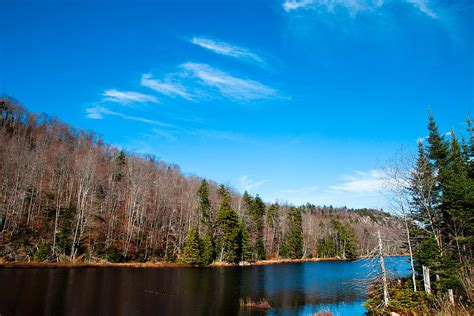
{"x": 67, "y": 196}
{"x": 434, "y": 193}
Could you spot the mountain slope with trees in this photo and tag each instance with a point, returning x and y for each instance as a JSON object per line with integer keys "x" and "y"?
{"x": 65, "y": 195}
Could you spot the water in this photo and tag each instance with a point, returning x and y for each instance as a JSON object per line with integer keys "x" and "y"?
{"x": 298, "y": 288}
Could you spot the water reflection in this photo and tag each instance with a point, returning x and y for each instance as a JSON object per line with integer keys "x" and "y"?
{"x": 302, "y": 288}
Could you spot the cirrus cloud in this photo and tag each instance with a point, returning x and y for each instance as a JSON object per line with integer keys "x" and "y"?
{"x": 127, "y": 97}
{"x": 223, "y": 48}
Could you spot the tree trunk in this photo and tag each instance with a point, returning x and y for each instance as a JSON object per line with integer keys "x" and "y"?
{"x": 426, "y": 279}
{"x": 413, "y": 273}
{"x": 384, "y": 273}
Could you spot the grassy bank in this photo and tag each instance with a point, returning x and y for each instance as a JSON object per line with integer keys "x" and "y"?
{"x": 161, "y": 264}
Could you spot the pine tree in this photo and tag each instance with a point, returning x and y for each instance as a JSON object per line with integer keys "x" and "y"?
{"x": 228, "y": 230}
{"x": 204, "y": 204}
{"x": 120, "y": 162}
{"x": 246, "y": 247}
{"x": 422, "y": 186}
{"x": 191, "y": 254}
{"x": 438, "y": 147}
{"x": 458, "y": 200}
{"x": 254, "y": 212}
{"x": 272, "y": 214}
{"x": 346, "y": 240}
{"x": 65, "y": 234}
{"x": 293, "y": 247}
{"x": 258, "y": 214}
{"x": 208, "y": 253}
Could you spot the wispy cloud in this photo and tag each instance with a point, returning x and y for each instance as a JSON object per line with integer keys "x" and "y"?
{"x": 361, "y": 182}
{"x": 98, "y": 113}
{"x": 290, "y": 5}
{"x": 422, "y": 5}
{"x": 353, "y": 6}
{"x": 223, "y": 48}
{"x": 127, "y": 97}
{"x": 237, "y": 89}
{"x": 167, "y": 88}
{"x": 247, "y": 184}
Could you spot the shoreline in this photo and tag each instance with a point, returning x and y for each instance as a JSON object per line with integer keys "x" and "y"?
{"x": 160, "y": 264}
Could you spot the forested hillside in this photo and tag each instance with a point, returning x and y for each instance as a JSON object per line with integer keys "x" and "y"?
{"x": 435, "y": 194}
{"x": 65, "y": 195}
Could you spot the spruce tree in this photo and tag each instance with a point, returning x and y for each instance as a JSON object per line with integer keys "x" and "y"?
{"x": 254, "y": 211}
{"x": 65, "y": 234}
{"x": 191, "y": 254}
{"x": 293, "y": 247}
{"x": 228, "y": 230}
{"x": 258, "y": 214}
{"x": 120, "y": 162}
{"x": 208, "y": 253}
{"x": 422, "y": 186}
{"x": 438, "y": 147}
{"x": 204, "y": 204}
{"x": 246, "y": 247}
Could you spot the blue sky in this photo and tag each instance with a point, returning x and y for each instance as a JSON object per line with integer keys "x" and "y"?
{"x": 296, "y": 100}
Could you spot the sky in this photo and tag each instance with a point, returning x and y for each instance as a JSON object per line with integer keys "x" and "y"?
{"x": 297, "y": 100}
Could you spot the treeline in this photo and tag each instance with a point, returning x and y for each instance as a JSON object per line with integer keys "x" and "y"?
{"x": 67, "y": 195}
{"x": 439, "y": 188}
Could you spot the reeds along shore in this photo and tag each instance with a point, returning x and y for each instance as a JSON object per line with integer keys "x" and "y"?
{"x": 158, "y": 264}
{"x": 161, "y": 264}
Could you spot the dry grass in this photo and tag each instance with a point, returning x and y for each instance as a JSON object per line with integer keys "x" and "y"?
{"x": 280, "y": 261}
{"x": 78, "y": 265}
{"x": 158, "y": 264}
{"x": 249, "y": 303}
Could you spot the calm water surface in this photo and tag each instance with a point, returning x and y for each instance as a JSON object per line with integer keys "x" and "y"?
{"x": 298, "y": 288}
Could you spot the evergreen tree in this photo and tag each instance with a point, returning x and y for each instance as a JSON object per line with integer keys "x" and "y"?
{"x": 293, "y": 247}
{"x": 228, "y": 230}
{"x": 208, "y": 253}
{"x": 204, "y": 204}
{"x": 346, "y": 246}
{"x": 120, "y": 162}
{"x": 258, "y": 213}
{"x": 458, "y": 200}
{"x": 246, "y": 247}
{"x": 441, "y": 186}
{"x": 422, "y": 186}
{"x": 191, "y": 254}
{"x": 65, "y": 234}
{"x": 272, "y": 214}
{"x": 438, "y": 147}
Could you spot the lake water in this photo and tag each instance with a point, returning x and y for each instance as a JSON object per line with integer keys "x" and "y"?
{"x": 297, "y": 288}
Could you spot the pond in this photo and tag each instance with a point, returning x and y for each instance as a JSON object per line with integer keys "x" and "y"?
{"x": 295, "y": 288}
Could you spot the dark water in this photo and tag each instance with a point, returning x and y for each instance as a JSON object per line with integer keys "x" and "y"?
{"x": 299, "y": 288}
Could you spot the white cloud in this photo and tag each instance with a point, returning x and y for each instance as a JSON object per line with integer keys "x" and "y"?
{"x": 166, "y": 88}
{"x": 98, "y": 113}
{"x": 127, "y": 97}
{"x": 361, "y": 182}
{"x": 290, "y": 5}
{"x": 223, "y": 48}
{"x": 422, "y": 5}
{"x": 234, "y": 88}
{"x": 353, "y": 6}
{"x": 247, "y": 184}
